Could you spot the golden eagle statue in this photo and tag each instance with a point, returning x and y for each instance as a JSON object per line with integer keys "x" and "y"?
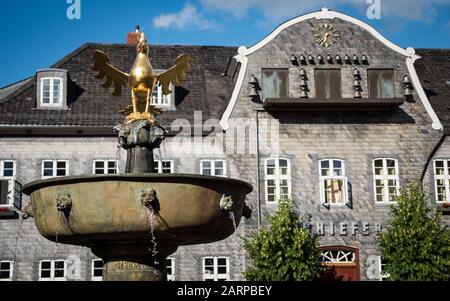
{"x": 142, "y": 80}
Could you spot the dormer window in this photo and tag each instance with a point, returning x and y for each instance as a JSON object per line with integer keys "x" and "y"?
{"x": 161, "y": 100}
{"x": 51, "y": 91}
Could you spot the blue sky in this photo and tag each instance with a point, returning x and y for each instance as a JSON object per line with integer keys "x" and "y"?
{"x": 35, "y": 34}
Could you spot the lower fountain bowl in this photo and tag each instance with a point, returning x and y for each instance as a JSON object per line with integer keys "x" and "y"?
{"x": 92, "y": 210}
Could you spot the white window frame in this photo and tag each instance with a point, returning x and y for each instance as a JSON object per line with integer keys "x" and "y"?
{"x": 51, "y": 99}
{"x": 162, "y": 101}
{"x": 160, "y": 168}
{"x": 213, "y": 167}
{"x": 52, "y": 270}
{"x": 215, "y": 275}
{"x": 277, "y": 177}
{"x": 105, "y": 166}
{"x": 385, "y": 177}
{"x": 55, "y": 169}
{"x": 343, "y": 178}
{"x": 172, "y": 266}
{"x": 95, "y": 278}
{"x": 11, "y": 269}
{"x": 445, "y": 177}
{"x": 2, "y": 169}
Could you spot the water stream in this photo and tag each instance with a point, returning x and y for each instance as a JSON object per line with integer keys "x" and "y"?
{"x": 151, "y": 221}
{"x": 233, "y": 219}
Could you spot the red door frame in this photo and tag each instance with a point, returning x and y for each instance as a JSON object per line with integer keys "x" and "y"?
{"x": 338, "y": 271}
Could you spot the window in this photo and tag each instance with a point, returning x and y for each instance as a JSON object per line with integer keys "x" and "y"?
{"x": 10, "y": 188}
{"x": 333, "y": 183}
{"x": 51, "y": 91}
{"x": 159, "y": 99}
{"x": 278, "y": 180}
{"x": 165, "y": 166}
{"x": 7, "y": 169}
{"x": 213, "y": 168}
{"x": 6, "y": 270}
{"x": 381, "y": 83}
{"x": 386, "y": 180}
{"x": 52, "y": 169}
{"x": 52, "y": 270}
{"x": 442, "y": 180}
{"x": 216, "y": 269}
{"x": 105, "y": 167}
{"x": 170, "y": 263}
{"x": 328, "y": 83}
{"x": 337, "y": 257}
{"x": 275, "y": 83}
{"x": 97, "y": 270}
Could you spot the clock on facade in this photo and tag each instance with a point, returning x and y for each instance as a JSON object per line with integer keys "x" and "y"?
{"x": 326, "y": 35}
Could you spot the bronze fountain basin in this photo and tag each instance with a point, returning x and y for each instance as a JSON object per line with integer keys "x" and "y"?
{"x": 113, "y": 215}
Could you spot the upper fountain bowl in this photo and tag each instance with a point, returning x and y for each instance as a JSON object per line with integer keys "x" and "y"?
{"x": 86, "y": 210}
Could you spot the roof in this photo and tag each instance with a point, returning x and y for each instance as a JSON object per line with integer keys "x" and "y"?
{"x": 90, "y": 105}
{"x": 433, "y": 69}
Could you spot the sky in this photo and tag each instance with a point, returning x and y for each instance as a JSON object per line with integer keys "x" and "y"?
{"x": 35, "y": 34}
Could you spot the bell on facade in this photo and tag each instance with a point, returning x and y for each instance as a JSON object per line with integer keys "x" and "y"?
{"x": 357, "y": 94}
{"x": 303, "y": 83}
{"x": 293, "y": 59}
{"x": 253, "y": 92}
{"x": 329, "y": 58}
{"x": 347, "y": 58}
{"x": 303, "y": 94}
{"x": 356, "y": 73}
{"x": 407, "y": 86}
{"x": 355, "y": 58}
{"x": 320, "y": 58}
{"x": 302, "y": 73}
{"x": 364, "y": 58}
{"x": 338, "y": 58}
{"x": 253, "y": 80}
{"x": 302, "y": 59}
{"x": 310, "y": 58}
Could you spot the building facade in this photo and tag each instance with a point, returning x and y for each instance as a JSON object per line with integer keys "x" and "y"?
{"x": 324, "y": 111}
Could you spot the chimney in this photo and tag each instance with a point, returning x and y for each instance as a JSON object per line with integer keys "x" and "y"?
{"x": 133, "y": 37}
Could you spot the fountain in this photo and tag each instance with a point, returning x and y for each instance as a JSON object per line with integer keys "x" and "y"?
{"x": 133, "y": 221}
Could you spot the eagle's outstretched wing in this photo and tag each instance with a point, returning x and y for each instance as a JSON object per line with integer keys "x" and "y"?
{"x": 111, "y": 73}
{"x": 175, "y": 75}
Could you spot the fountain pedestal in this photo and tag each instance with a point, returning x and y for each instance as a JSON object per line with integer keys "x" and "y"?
{"x": 133, "y": 261}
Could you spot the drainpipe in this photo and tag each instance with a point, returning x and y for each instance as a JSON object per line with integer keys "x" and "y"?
{"x": 258, "y": 170}
{"x": 430, "y": 158}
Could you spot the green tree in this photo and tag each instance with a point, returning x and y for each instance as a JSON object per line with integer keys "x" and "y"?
{"x": 415, "y": 247}
{"x": 285, "y": 251}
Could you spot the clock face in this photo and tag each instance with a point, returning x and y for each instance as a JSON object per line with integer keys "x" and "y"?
{"x": 326, "y": 35}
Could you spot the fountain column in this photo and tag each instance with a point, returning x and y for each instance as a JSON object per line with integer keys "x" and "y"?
{"x": 139, "y": 139}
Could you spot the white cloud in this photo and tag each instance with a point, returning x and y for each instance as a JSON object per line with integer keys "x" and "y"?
{"x": 188, "y": 18}
{"x": 275, "y": 11}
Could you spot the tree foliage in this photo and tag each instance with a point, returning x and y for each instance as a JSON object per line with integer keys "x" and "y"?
{"x": 285, "y": 251}
{"x": 416, "y": 247}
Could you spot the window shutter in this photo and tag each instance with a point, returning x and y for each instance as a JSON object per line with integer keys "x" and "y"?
{"x": 4, "y": 192}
